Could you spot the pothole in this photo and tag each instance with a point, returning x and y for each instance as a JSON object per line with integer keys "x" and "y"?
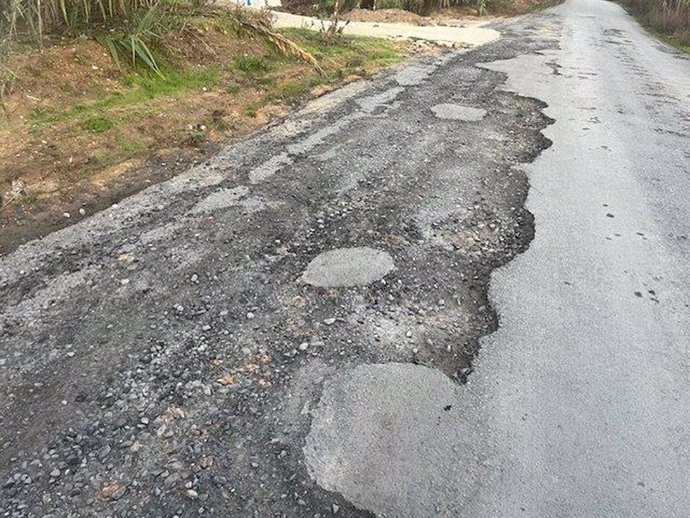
{"x": 393, "y": 438}
{"x": 348, "y": 267}
{"x": 458, "y": 112}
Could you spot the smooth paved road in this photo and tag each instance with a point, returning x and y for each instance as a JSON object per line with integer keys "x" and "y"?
{"x": 586, "y": 386}
{"x": 579, "y": 405}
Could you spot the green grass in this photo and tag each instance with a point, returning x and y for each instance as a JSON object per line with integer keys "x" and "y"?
{"x": 267, "y": 73}
{"x": 390, "y": 4}
{"x": 292, "y": 90}
{"x": 369, "y": 51}
{"x": 130, "y": 147}
{"x": 140, "y": 89}
{"x": 252, "y": 109}
{"x": 348, "y": 55}
{"x": 252, "y": 64}
{"x": 98, "y": 124}
{"x": 233, "y": 89}
{"x": 126, "y": 149}
{"x": 671, "y": 40}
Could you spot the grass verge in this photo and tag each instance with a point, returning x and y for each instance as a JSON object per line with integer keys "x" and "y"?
{"x": 78, "y": 127}
{"x": 669, "y": 21}
{"x": 670, "y": 39}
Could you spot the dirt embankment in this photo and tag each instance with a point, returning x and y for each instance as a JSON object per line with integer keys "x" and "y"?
{"x": 387, "y": 16}
{"x": 78, "y": 133}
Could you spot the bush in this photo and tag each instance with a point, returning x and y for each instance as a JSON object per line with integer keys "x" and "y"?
{"x": 390, "y": 4}
{"x": 669, "y": 16}
{"x": 40, "y": 17}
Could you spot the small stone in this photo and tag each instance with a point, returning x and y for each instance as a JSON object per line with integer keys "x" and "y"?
{"x": 250, "y": 315}
{"x": 336, "y": 508}
{"x": 82, "y": 212}
{"x": 303, "y": 346}
{"x": 171, "y": 480}
{"x": 145, "y": 420}
{"x": 66, "y": 215}
{"x": 329, "y": 321}
{"x": 55, "y": 473}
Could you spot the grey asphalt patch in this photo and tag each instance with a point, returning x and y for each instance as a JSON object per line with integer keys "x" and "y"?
{"x": 458, "y": 112}
{"x": 414, "y": 75}
{"x": 348, "y": 267}
{"x": 221, "y": 199}
{"x": 391, "y": 438}
{"x": 372, "y": 102}
{"x": 269, "y": 168}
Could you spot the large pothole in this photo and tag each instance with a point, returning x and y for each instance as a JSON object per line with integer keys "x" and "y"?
{"x": 348, "y": 267}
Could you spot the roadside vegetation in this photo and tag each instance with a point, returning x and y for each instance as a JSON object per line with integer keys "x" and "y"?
{"x": 420, "y": 7}
{"x": 97, "y": 96}
{"x": 669, "y": 18}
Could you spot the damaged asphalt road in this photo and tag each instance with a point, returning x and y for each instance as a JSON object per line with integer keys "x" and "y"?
{"x": 162, "y": 357}
{"x": 291, "y": 329}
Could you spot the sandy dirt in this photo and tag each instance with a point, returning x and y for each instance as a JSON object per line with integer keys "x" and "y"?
{"x": 471, "y": 34}
{"x": 387, "y": 16}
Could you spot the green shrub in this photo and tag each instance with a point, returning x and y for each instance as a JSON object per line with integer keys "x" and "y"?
{"x": 390, "y": 4}
{"x": 669, "y": 16}
{"x": 42, "y": 17}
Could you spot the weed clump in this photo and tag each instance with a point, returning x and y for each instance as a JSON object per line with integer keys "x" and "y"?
{"x": 98, "y": 124}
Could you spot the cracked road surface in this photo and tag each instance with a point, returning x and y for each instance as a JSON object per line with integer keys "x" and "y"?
{"x": 294, "y": 327}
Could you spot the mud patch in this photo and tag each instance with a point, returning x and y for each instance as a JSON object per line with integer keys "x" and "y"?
{"x": 348, "y": 267}
{"x": 458, "y": 112}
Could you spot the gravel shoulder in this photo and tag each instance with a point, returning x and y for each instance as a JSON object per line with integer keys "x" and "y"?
{"x": 162, "y": 357}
